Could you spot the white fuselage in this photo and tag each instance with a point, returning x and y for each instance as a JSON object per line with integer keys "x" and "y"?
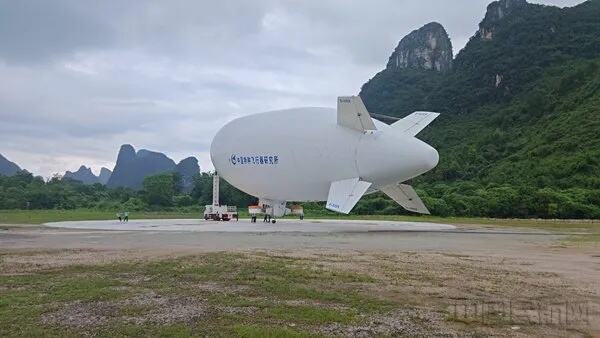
{"x": 295, "y": 155}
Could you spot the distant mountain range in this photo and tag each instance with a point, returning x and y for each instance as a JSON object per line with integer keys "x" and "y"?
{"x": 130, "y": 170}
{"x": 8, "y": 168}
{"x": 132, "y": 167}
{"x": 104, "y": 175}
{"x": 85, "y": 175}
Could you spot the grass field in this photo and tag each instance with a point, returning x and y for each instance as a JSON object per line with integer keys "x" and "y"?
{"x": 245, "y": 295}
{"x": 43, "y": 216}
{"x": 268, "y": 294}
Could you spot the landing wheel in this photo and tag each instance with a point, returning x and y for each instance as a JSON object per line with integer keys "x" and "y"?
{"x": 274, "y": 221}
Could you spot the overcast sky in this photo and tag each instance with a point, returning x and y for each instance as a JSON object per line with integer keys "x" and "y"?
{"x": 80, "y": 78}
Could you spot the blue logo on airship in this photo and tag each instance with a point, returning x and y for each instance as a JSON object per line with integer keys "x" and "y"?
{"x": 254, "y": 160}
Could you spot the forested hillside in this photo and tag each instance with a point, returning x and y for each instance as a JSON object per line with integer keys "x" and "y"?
{"x": 7, "y": 167}
{"x": 519, "y": 133}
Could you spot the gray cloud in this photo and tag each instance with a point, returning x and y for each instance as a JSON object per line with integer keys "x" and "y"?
{"x": 82, "y": 77}
{"x": 41, "y": 30}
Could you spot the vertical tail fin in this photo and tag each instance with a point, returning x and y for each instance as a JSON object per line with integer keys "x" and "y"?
{"x": 352, "y": 113}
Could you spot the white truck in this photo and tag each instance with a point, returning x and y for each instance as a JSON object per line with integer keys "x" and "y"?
{"x": 216, "y": 211}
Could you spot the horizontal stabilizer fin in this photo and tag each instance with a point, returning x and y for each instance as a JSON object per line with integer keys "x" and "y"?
{"x": 415, "y": 122}
{"x": 343, "y": 195}
{"x": 352, "y": 113}
{"x": 406, "y": 196}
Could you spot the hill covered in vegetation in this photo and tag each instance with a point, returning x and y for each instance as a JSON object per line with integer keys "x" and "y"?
{"x": 519, "y": 134}
{"x": 7, "y": 167}
{"x": 133, "y": 167}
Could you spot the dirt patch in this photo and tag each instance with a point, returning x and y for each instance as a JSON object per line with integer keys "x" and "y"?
{"x": 80, "y": 315}
{"x": 152, "y": 308}
{"x": 410, "y": 323}
{"x": 30, "y": 261}
{"x": 133, "y": 278}
{"x": 533, "y": 288}
{"x": 219, "y": 287}
{"x": 314, "y": 303}
{"x": 246, "y": 310}
{"x": 170, "y": 310}
{"x": 463, "y": 277}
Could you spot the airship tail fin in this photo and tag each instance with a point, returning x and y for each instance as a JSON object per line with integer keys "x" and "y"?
{"x": 415, "y": 122}
{"x": 343, "y": 195}
{"x": 352, "y": 113}
{"x": 407, "y": 197}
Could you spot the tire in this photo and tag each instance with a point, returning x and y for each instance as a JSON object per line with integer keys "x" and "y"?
{"x": 274, "y": 221}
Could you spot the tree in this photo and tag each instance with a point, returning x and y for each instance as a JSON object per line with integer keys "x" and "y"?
{"x": 160, "y": 189}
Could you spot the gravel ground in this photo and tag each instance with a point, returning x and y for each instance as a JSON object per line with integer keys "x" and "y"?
{"x": 447, "y": 279}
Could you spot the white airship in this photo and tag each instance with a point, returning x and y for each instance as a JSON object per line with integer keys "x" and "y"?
{"x": 320, "y": 154}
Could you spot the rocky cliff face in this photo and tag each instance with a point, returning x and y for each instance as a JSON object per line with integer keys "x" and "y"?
{"x": 132, "y": 167}
{"x": 427, "y": 48}
{"x": 187, "y": 168}
{"x": 420, "y": 61}
{"x": 496, "y": 11}
{"x": 8, "y": 168}
{"x": 104, "y": 175}
{"x": 83, "y": 174}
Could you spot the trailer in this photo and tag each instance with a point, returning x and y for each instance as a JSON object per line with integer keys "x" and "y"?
{"x": 216, "y": 211}
{"x": 220, "y": 213}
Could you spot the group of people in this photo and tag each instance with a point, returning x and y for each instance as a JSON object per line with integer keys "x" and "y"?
{"x": 123, "y": 216}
